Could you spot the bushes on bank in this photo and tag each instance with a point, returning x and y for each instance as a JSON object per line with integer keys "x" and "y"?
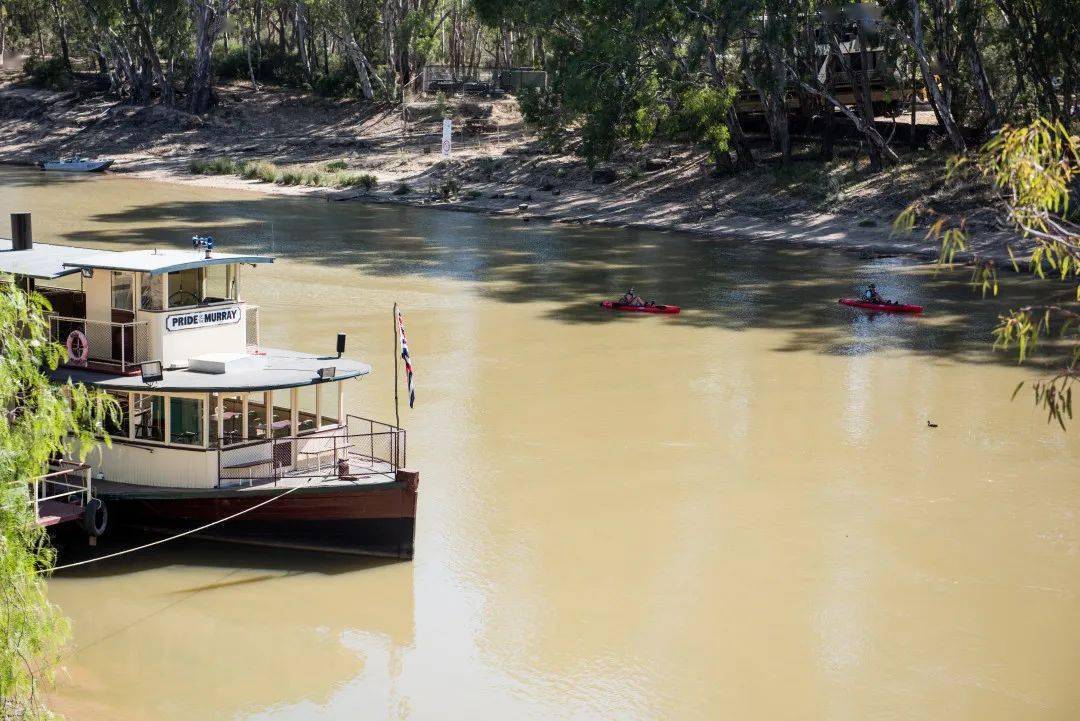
{"x": 266, "y": 172}
{"x": 48, "y": 73}
{"x": 365, "y": 181}
{"x": 214, "y": 166}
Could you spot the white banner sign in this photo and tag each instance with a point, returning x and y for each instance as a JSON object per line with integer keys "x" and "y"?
{"x": 446, "y": 125}
{"x": 202, "y": 318}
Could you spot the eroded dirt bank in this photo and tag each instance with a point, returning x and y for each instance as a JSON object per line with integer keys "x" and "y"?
{"x": 498, "y": 165}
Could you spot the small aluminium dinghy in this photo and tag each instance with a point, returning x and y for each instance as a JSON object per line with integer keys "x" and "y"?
{"x": 78, "y": 165}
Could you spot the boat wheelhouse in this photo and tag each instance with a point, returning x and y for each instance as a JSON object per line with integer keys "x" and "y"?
{"x": 213, "y": 425}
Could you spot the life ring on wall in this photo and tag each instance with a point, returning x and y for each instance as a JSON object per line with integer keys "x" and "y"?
{"x": 78, "y": 347}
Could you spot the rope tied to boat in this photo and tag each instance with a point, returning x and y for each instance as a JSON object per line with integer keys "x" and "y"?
{"x": 160, "y": 541}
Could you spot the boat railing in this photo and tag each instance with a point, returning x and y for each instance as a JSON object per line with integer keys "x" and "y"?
{"x": 360, "y": 447}
{"x": 99, "y": 344}
{"x": 65, "y": 487}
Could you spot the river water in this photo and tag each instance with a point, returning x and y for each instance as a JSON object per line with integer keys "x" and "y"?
{"x": 739, "y": 512}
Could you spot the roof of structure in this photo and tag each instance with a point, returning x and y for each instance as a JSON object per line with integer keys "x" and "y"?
{"x": 47, "y": 262}
{"x": 284, "y": 369}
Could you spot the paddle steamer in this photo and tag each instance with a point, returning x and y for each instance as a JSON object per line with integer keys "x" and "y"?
{"x": 215, "y": 427}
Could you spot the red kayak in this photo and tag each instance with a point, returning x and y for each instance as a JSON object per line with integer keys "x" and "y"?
{"x": 666, "y": 309}
{"x": 883, "y": 307}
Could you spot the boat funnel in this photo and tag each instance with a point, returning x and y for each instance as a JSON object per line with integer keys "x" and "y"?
{"x": 22, "y": 236}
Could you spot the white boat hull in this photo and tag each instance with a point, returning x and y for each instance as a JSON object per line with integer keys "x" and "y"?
{"x": 77, "y": 166}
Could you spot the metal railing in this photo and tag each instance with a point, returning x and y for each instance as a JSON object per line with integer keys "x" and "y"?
{"x": 122, "y": 346}
{"x": 251, "y": 326}
{"x": 69, "y": 484}
{"x": 359, "y": 447}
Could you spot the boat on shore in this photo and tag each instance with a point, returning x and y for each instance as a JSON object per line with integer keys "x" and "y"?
{"x": 217, "y": 432}
{"x": 78, "y": 165}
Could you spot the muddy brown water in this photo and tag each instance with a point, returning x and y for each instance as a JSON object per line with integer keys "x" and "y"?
{"x": 738, "y": 512}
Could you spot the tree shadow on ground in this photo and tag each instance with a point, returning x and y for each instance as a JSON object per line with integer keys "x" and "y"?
{"x": 721, "y": 283}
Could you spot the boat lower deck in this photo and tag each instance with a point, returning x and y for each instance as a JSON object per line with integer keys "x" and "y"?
{"x": 359, "y": 473}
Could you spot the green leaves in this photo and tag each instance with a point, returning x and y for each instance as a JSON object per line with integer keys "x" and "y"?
{"x": 1031, "y": 168}
{"x": 41, "y": 420}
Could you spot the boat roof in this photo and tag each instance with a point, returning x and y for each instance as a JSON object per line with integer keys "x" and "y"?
{"x": 43, "y": 261}
{"x": 284, "y": 369}
{"x": 158, "y": 261}
{"x": 48, "y": 262}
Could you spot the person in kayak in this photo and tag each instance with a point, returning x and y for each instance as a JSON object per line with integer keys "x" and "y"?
{"x": 632, "y": 298}
{"x": 872, "y": 296}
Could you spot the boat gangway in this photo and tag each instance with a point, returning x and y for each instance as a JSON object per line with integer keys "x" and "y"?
{"x": 61, "y": 495}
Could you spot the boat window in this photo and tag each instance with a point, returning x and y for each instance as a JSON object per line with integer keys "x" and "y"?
{"x": 220, "y": 284}
{"x": 305, "y": 404}
{"x": 123, "y": 291}
{"x": 328, "y": 404}
{"x": 152, "y": 291}
{"x": 232, "y": 420}
{"x": 256, "y": 416}
{"x": 149, "y": 415}
{"x": 282, "y": 424}
{"x": 185, "y": 287}
{"x": 118, "y": 427}
{"x": 186, "y": 421}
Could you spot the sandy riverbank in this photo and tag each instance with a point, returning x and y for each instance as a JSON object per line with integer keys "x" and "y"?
{"x": 502, "y": 168}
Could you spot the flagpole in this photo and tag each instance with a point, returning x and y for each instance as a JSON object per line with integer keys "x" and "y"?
{"x": 397, "y": 357}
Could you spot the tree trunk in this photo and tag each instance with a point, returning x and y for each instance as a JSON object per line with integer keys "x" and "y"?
{"x": 300, "y": 31}
{"x": 325, "y": 54}
{"x": 828, "y": 132}
{"x": 969, "y": 26}
{"x": 3, "y": 32}
{"x": 150, "y": 51}
{"x": 251, "y": 66}
{"x": 744, "y": 155}
{"x": 360, "y": 62}
{"x": 282, "y": 39}
{"x": 940, "y": 106}
{"x": 61, "y": 33}
{"x": 866, "y": 101}
{"x": 207, "y": 18}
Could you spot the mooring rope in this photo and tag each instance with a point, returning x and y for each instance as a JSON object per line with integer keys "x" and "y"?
{"x": 173, "y": 537}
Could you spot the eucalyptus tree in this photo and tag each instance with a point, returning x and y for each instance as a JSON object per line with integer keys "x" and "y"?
{"x": 208, "y": 19}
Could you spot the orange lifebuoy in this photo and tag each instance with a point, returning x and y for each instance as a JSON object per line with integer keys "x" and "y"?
{"x": 78, "y": 348}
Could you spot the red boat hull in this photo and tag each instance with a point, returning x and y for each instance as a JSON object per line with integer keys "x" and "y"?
{"x": 376, "y": 519}
{"x": 659, "y": 309}
{"x": 882, "y": 307}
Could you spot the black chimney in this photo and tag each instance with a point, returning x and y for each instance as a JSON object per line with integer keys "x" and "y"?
{"x": 340, "y": 344}
{"x": 22, "y": 237}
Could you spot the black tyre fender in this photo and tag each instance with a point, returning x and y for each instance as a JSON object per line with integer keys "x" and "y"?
{"x": 96, "y": 517}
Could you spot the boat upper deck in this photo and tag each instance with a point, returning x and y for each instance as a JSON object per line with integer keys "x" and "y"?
{"x": 267, "y": 369}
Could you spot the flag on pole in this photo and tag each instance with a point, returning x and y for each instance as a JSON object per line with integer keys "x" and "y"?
{"x": 405, "y": 357}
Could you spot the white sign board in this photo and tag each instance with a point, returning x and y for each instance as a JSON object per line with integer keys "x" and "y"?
{"x": 202, "y": 318}
{"x": 446, "y": 125}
